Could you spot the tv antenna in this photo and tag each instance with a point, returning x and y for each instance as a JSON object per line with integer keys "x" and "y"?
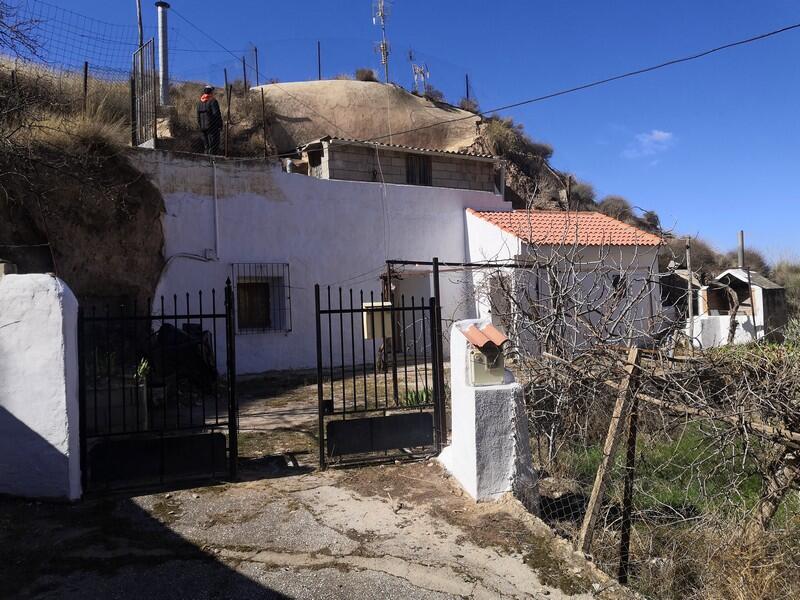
{"x": 380, "y": 14}
{"x": 421, "y": 74}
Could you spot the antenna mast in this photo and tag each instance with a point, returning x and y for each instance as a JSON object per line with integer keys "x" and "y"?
{"x": 380, "y": 13}
{"x": 421, "y": 74}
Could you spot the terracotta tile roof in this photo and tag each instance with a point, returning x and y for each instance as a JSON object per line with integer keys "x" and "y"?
{"x": 555, "y": 227}
{"x": 488, "y": 334}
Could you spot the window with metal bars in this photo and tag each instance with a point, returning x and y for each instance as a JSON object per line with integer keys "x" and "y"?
{"x": 263, "y": 297}
{"x": 418, "y": 169}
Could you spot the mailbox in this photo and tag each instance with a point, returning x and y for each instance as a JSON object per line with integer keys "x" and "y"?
{"x": 377, "y": 320}
{"x": 485, "y": 356}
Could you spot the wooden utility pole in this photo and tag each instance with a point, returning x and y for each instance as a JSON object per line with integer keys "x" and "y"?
{"x": 264, "y": 122}
{"x": 626, "y": 391}
{"x": 255, "y": 53}
{"x": 319, "y": 61}
{"x": 85, "y": 87}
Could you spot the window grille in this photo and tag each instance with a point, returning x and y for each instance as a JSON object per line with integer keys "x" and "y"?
{"x": 263, "y": 297}
{"x": 418, "y": 169}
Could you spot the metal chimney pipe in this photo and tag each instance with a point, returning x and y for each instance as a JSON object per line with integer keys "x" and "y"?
{"x": 741, "y": 249}
{"x": 163, "y": 58}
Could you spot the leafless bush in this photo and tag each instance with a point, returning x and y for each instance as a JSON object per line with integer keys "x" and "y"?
{"x": 715, "y": 497}
{"x": 366, "y": 74}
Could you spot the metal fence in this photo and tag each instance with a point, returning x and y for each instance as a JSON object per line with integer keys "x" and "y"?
{"x": 153, "y": 407}
{"x": 379, "y": 375}
{"x": 144, "y": 97}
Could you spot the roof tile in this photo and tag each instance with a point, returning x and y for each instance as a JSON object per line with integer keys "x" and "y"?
{"x": 555, "y": 227}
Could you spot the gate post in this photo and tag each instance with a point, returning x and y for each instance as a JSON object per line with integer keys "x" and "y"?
{"x": 439, "y": 353}
{"x": 320, "y": 408}
{"x": 437, "y": 391}
{"x": 233, "y": 416}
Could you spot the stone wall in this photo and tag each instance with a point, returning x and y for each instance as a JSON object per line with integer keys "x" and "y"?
{"x": 356, "y": 163}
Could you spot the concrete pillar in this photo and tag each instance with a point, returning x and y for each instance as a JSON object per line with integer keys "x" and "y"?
{"x": 490, "y": 453}
{"x": 39, "y": 443}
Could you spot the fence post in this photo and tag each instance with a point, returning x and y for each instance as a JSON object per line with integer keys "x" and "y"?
{"x": 627, "y": 501}
{"x": 134, "y": 120}
{"x": 228, "y": 93}
{"x": 626, "y": 391}
{"x": 85, "y": 86}
{"x": 320, "y": 400}
{"x": 233, "y": 416}
{"x": 264, "y": 122}
{"x": 439, "y": 351}
{"x": 392, "y": 332}
{"x": 437, "y": 391}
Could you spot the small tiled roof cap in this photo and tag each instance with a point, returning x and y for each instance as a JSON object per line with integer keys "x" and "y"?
{"x": 556, "y": 227}
{"x": 488, "y": 334}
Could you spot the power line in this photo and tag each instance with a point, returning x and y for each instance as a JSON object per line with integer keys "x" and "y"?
{"x": 599, "y": 82}
{"x": 586, "y": 86}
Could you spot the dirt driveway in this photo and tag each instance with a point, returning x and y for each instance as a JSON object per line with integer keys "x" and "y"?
{"x": 289, "y": 530}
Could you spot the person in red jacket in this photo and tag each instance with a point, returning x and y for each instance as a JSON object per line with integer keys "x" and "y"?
{"x": 209, "y": 120}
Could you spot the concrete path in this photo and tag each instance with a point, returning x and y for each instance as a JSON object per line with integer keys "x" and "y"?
{"x": 398, "y": 531}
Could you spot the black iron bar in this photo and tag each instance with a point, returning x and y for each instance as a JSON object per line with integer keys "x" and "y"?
{"x": 330, "y": 351}
{"x": 123, "y": 339}
{"x": 320, "y": 402}
{"x": 403, "y": 335}
{"x": 137, "y": 361}
{"x": 353, "y": 352}
{"x": 191, "y": 386}
{"x": 108, "y": 368}
{"x": 435, "y": 361}
{"x": 363, "y": 346}
{"x": 214, "y": 344}
{"x": 176, "y": 362}
{"x": 393, "y": 334}
{"x": 341, "y": 340}
{"x": 414, "y": 335}
{"x": 374, "y": 351}
{"x": 213, "y": 357}
{"x": 230, "y": 337}
{"x": 424, "y": 342}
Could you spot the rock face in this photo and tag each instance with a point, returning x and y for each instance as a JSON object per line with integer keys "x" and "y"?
{"x": 308, "y": 110}
{"x": 364, "y": 110}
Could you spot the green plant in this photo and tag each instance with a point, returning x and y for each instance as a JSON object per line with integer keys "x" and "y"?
{"x": 143, "y": 369}
{"x": 417, "y": 397}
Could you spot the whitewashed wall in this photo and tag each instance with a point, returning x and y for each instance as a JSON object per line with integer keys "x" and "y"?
{"x": 39, "y": 448}
{"x": 329, "y": 232}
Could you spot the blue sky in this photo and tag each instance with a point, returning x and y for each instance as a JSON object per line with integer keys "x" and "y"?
{"x": 712, "y": 145}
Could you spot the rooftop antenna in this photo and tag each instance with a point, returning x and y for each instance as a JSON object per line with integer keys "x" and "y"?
{"x": 421, "y": 74}
{"x": 380, "y": 13}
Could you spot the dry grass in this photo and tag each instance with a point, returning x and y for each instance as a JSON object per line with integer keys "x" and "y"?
{"x": 247, "y": 123}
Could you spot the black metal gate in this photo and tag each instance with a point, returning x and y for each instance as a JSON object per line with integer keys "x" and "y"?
{"x": 379, "y": 377}
{"x": 144, "y": 96}
{"x": 153, "y": 409}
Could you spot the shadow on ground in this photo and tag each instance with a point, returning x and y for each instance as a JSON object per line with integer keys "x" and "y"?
{"x": 108, "y": 548}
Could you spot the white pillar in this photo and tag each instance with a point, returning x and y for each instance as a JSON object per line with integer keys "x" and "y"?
{"x": 39, "y": 443}
{"x": 490, "y": 453}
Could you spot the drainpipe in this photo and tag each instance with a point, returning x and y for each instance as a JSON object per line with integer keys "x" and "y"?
{"x": 163, "y": 59}
{"x": 216, "y": 210}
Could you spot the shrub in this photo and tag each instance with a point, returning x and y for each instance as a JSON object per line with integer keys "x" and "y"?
{"x": 787, "y": 274}
{"x": 433, "y": 94}
{"x": 366, "y": 74}
{"x": 616, "y": 207}
{"x": 469, "y": 104}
